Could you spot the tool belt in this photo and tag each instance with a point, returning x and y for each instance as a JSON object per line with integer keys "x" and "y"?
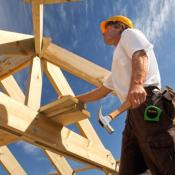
{"x": 167, "y": 95}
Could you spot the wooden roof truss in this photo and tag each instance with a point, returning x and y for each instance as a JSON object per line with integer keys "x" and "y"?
{"x": 23, "y": 118}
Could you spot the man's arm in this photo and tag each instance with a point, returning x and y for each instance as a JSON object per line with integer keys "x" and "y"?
{"x": 94, "y": 95}
{"x": 137, "y": 93}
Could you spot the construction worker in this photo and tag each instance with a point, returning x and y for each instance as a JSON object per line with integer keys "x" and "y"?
{"x": 135, "y": 77}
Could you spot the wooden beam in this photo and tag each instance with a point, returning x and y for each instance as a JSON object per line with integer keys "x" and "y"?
{"x": 11, "y": 88}
{"x": 10, "y": 65}
{"x": 66, "y": 101}
{"x": 88, "y": 167}
{"x": 57, "y": 79}
{"x": 65, "y": 111}
{"x": 10, "y": 163}
{"x": 62, "y": 87}
{"x": 48, "y": 135}
{"x": 8, "y": 37}
{"x": 50, "y": 1}
{"x": 6, "y": 138}
{"x": 60, "y": 163}
{"x": 75, "y": 64}
{"x": 34, "y": 89}
{"x": 37, "y": 13}
{"x": 111, "y": 173}
{"x": 22, "y": 47}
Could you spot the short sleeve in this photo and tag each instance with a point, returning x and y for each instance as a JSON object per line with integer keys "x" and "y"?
{"x": 108, "y": 82}
{"x": 133, "y": 40}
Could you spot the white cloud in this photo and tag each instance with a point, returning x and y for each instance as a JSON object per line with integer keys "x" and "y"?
{"x": 154, "y": 16}
{"x": 109, "y": 102}
{"x": 28, "y": 148}
{"x": 63, "y": 12}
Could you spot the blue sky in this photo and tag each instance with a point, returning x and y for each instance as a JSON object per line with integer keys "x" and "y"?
{"x": 75, "y": 26}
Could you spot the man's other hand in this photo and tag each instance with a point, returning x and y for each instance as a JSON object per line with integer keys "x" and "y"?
{"x": 136, "y": 95}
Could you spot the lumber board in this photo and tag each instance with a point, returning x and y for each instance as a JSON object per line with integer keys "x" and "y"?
{"x": 62, "y": 110}
{"x": 71, "y": 117}
{"x": 43, "y": 132}
{"x": 60, "y": 163}
{"x": 37, "y": 14}
{"x": 8, "y": 36}
{"x": 64, "y": 102}
{"x": 62, "y": 87}
{"x": 50, "y": 1}
{"x": 18, "y": 48}
{"x": 65, "y": 111}
{"x": 85, "y": 168}
{"x": 10, "y": 65}
{"x": 6, "y": 138}
{"x": 9, "y": 162}
{"x": 11, "y": 87}
{"x": 34, "y": 88}
{"x": 75, "y": 64}
{"x": 57, "y": 79}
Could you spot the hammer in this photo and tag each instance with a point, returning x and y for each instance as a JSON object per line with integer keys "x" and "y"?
{"x": 105, "y": 120}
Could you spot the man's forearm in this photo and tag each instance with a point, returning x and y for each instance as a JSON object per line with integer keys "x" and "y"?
{"x": 137, "y": 93}
{"x": 139, "y": 68}
{"x": 94, "y": 95}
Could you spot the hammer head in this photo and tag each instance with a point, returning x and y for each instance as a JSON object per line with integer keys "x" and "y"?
{"x": 105, "y": 121}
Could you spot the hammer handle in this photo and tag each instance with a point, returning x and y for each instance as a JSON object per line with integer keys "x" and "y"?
{"x": 125, "y": 106}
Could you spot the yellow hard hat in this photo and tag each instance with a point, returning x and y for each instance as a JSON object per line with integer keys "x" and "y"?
{"x": 122, "y": 19}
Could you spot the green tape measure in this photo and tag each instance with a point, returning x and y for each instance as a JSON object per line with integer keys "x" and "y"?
{"x": 152, "y": 113}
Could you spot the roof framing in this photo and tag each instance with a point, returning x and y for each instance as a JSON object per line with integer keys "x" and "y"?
{"x": 18, "y": 51}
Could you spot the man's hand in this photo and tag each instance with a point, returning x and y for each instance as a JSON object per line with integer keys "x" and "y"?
{"x": 136, "y": 95}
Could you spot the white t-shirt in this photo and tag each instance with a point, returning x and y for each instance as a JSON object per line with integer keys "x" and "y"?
{"x": 119, "y": 79}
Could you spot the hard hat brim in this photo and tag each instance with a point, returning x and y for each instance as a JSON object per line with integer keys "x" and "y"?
{"x": 121, "y": 19}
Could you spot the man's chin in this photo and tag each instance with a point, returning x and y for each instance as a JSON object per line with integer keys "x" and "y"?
{"x": 107, "y": 42}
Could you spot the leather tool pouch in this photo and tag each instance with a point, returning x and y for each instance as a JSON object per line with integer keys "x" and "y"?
{"x": 168, "y": 95}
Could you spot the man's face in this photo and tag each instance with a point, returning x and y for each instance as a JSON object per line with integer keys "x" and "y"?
{"x": 111, "y": 35}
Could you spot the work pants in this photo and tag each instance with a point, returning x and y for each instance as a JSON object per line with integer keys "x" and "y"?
{"x": 149, "y": 145}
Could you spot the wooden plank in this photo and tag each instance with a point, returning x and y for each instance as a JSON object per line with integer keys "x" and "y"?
{"x": 10, "y": 65}
{"x": 7, "y": 36}
{"x": 11, "y": 88}
{"x": 65, "y": 111}
{"x": 22, "y": 47}
{"x": 48, "y": 135}
{"x": 6, "y": 138}
{"x": 50, "y": 1}
{"x": 61, "y": 111}
{"x": 37, "y": 14}
{"x": 62, "y": 87}
{"x": 34, "y": 89}
{"x": 75, "y": 64}
{"x": 88, "y": 167}
{"x": 10, "y": 163}
{"x": 60, "y": 163}
{"x": 70, "y": 117}
{"x": 57, "y": 78}
{"x": 64, "y": 102}
{"x": 111, "y": 173}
